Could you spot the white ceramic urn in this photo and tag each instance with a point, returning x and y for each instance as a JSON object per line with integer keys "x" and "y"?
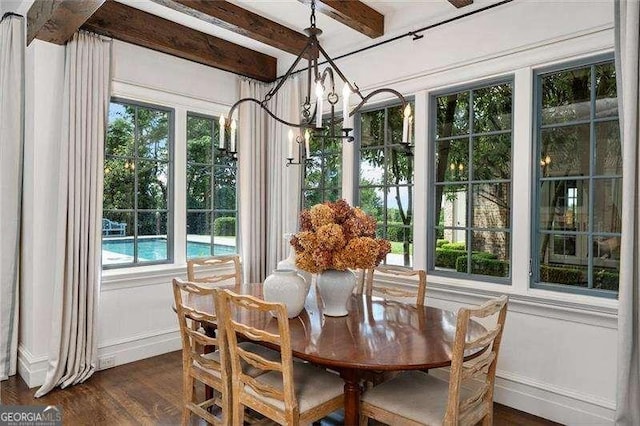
{"x": 335, "y": 288}
{"x": 286, "y": 286}
{"x": 290, "y": 262}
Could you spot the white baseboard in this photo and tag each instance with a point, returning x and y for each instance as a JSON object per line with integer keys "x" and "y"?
{"x": 33, "y": 370}
{"x": 547, "y": 400}
{"x": 139, "y": 347}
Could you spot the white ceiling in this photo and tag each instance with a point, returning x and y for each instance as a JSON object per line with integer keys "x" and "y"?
{"x": 400, "y": 17}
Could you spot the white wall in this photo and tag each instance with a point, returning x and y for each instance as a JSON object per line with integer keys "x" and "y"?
{"x": 558, "y": 357}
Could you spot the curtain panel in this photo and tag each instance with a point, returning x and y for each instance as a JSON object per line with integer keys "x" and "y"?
{"x": 627, "y": 35}
{"x": 269, "y": 191}
{"x": 85, "y": 105}
{"x": 12, "y": 45}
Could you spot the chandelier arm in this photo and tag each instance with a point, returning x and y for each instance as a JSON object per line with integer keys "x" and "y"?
{"x": 328, "y": 72}
{"x": 354, "y": 88}
{"x": 273, "y": 91}
{"x": 377, "y": 92}
{"x": 261, "y": 104}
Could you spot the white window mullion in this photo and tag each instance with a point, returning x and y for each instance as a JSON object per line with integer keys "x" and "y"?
{"x": 421, "y": 171}
{"x": 521, "y": 178}
{"x": 180, "y": 183}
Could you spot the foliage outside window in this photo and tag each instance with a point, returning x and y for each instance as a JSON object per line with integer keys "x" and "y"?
{"x": 137, "y": 184}
{"x": 211, "y": 191}
{"x": 472, "y": 181}
{"x": 579, "y": 180}
{"x": 385, "y": 189}
{"x": 323, "y": 170}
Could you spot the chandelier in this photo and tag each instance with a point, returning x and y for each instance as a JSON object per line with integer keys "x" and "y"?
{"x": 313, "y": 122}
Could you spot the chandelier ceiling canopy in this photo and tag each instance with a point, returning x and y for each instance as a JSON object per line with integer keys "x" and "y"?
{"x": 317, "y": 119}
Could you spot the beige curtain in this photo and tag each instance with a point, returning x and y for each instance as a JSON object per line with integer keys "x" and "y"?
{"x": 627, "y": 29}
{"x": 76, "y": 280}
{"x": 252, "y": 181}
{"x": 283, "y": 196}
{"x": 11, "y": 151}
{"x": 269, "y": 191}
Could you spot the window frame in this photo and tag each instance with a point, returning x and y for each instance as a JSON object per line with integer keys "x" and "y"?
{"x": 322, "y": 189}
{"x": 431, "y": 178}
{"x": 534, "y": 260}
{"x": 170, "y": 185}
{"x": 357, "y": 146}
{"x": 213, "y": 210}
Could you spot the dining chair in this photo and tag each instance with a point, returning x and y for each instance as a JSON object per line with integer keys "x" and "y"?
{"x": 194, "y": 302}
{"x": 209, "y": 270}
{"x": 380, "y": 281}
{"x": 417, "y": 398}
{"x": 288, "y": 393}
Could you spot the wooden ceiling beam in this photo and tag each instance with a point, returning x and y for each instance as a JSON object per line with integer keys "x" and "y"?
{"x": 460, "y": 3}
{"x": 354, "y": 14}
{"x": 56, "y": 21}
{"x": 241, "y": 21}
{"x": 131, "y": 25}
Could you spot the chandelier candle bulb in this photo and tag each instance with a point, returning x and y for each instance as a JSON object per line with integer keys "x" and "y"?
{"x": 405, "y": 123}
{"x": 290, "y": 153}
{"x": 307, "y": 139}
{"x": 319, "y": 96}
{"x": 221, "y": 145}
{"x": 232, "y": 144}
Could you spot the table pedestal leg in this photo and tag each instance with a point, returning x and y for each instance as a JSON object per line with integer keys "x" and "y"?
{"x": 351, "y": 397}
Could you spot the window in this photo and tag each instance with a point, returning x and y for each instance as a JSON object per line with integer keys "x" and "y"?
{"x": 211, "y": 191}
{"x": 472, "y": 146}
{"x": 385, "y": 188}
{"x": 137, "y": 216}
{"x": 323, "y": 170}
{"x": 578, "y": 189}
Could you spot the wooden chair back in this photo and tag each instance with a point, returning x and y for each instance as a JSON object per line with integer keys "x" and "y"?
{"x": 388, "y": 291}
{"x": 194, "y": 340}
{"x": 479, "y": 405}
{"x": 207, "y": 270}
{"x": 233, "y": 308}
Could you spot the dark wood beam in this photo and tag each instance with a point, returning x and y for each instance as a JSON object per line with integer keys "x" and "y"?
{"x": 460, "y": 3}
{"x": 56, "y": 21}
{"x": 131, "y": 25}
{"x": 241, "y": 21}
{"x": 354, "y": 14}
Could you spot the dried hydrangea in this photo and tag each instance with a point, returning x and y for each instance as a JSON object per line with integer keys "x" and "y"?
{"x": 321, "y": 214}
{"x": 305, "y": 221}
{"x": 337, "y": 236}
{"x": 341, "y": 211}
{"x": 330, "y": 237}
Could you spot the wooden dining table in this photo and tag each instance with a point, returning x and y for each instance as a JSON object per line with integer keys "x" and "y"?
{"x": 376, "y": 335}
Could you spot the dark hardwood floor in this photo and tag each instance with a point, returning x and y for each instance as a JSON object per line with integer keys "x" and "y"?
{"x": 150, "y": 392}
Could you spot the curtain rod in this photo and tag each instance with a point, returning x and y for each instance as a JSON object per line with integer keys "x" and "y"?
{"x": 414, "y": 34}
{"x": 7, "y": 14}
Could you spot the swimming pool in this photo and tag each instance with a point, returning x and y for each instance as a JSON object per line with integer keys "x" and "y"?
{"x": 151, "y": 249}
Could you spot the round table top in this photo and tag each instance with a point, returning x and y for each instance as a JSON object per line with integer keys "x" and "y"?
{"x": 377, "y": 334}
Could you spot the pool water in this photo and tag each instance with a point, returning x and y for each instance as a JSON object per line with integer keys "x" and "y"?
{"x": 150, "y": 249}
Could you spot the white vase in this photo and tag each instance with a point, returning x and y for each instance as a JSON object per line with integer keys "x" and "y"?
{"x": 290, "y": 263}
{"x": 286, "y": 286}
{"x": 335, "y": 288}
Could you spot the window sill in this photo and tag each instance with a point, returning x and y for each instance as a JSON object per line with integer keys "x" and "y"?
{"x": 584, "y": 309}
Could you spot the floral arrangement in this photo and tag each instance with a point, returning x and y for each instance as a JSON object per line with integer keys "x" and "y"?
{"x": 337, "y": 236}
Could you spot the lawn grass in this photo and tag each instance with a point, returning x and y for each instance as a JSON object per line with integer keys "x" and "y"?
{"x": 397, "y": 247}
